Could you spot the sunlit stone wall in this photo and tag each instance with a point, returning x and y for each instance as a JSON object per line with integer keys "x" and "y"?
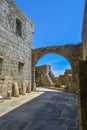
{"x": 15, "y": 43}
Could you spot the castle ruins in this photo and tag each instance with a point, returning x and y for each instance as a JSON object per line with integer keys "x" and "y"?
{"x": 18, "y": 58}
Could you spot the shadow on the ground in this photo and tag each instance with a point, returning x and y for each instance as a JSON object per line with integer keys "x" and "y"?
{"x": 49, "y": 111}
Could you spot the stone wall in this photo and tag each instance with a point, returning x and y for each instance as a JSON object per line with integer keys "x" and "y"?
{"x": 82, "y": 95}
{"x": 15, "y": 43}
{"x": 42, "y": 76}
{"x": 84, "y": 32}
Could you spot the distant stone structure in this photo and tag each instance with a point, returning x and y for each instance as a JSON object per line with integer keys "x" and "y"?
{"x": 65, "y": 79}
{"x": 42, "y": 76}
{"x": 15, "y": 46}
{"x": 45, "y": 77}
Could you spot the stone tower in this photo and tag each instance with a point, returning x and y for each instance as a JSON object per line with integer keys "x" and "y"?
{"x": 84, "y": 32}
{"x": 16, "y": 32}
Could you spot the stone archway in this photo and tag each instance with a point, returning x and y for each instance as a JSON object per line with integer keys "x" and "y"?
{"x": 73, "y": 53}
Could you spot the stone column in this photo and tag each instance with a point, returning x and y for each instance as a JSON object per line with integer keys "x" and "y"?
{"x": 82, "y": 95}
{"x": 33, "y": 79}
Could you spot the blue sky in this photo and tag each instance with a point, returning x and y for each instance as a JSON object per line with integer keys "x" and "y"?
{"x": 57, "y": 22}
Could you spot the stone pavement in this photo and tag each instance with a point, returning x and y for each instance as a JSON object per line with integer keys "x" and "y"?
{"x": 49, "y": 110}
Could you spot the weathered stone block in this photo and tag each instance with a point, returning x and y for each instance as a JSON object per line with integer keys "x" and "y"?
{"x": 23, "y": 89}
{"x": 28, "y": 87}
{"x": 4, "y": 88}
{"x": 15, "y": 90}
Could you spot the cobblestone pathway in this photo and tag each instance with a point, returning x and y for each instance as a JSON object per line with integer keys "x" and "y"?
{"x": 52, "y": 110}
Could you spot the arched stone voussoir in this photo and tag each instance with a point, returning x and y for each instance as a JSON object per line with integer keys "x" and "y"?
{"x": 70, "y": 52}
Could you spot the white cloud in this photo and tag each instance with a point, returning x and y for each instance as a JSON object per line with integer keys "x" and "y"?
{"x": 58, "y": 72}
{"x": 50, "y": 62}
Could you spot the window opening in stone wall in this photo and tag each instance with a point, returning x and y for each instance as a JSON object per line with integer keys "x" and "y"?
{"x": 1, "y": 61}
{"x": 20, "y": 68}
{"x": 18, "y": 27}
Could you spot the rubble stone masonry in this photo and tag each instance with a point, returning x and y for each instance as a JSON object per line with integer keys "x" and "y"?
{"x": 45, "y": 77}
{"x": 42, "y": 75}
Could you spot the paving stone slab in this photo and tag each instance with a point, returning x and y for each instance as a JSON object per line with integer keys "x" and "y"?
{"x": 70, "y": 123}
{"x": 57, "y": 121}
{"x": 54, "y": 127}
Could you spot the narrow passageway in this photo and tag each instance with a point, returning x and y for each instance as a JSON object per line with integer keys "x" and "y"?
{"x": 52, "y": 110}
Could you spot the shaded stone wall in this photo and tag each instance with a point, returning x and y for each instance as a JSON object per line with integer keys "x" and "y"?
{"x": 82, "y": 95}
{"x": 15, "y": 49}
{"x": 84, "y": 32}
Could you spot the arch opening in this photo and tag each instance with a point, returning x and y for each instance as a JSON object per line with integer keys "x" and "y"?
{"x": 53, "y": 70}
